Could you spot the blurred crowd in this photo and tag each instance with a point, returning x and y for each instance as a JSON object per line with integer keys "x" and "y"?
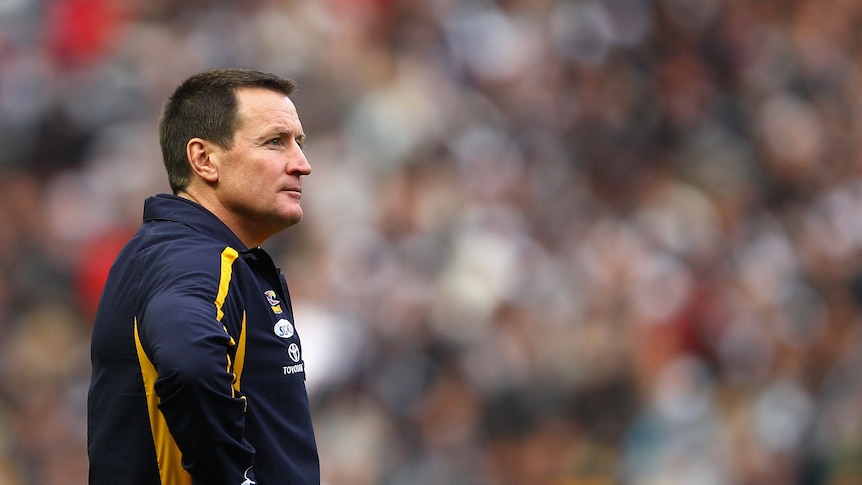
{"x": 562, "y": 242}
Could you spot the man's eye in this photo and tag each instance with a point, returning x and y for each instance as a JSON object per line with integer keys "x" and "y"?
{"x": 275, "y": 141}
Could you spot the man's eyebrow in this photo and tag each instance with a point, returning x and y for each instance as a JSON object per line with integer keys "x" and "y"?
{"x": 281, "y": 132}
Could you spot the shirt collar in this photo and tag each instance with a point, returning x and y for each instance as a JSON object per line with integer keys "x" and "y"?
{"x": 174, "y": 208}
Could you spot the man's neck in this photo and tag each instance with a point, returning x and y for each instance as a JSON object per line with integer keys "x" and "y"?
{"x": 226, "y": 217}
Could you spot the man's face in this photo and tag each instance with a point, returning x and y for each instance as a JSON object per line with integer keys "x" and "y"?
{"x": 259, "y": 183}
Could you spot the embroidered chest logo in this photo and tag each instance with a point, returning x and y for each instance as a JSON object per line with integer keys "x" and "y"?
{"x": 248, "y": 481}
{"x": 283, "y": 328}
{"x": 299, "y": 367}
{"x": 272, "y": 299}
{"x": 293, "y": 352}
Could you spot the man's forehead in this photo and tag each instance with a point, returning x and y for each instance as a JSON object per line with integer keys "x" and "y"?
{"x": 263, "y": 105}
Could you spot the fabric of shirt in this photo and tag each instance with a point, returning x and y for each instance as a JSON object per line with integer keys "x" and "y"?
{"x": 198, "y": 376}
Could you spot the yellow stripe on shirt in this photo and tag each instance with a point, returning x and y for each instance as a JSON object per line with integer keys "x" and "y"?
{"x": 240, "y": 355}
{"x": 228, "y": 256}
{"x": 168, "y": 454}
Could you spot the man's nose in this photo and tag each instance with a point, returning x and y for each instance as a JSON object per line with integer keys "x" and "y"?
{"x": 299, "y": 165}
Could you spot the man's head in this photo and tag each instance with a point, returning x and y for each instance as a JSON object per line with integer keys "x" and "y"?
{"x": 205, "y": 106}
{"x": 233, "y": 142}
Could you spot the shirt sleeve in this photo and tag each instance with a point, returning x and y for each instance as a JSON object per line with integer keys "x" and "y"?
{"x": 190, "y": 350}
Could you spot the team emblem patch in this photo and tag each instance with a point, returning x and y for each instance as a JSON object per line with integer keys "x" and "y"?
{"x": 283, "y": 328}
{"x": 272, "y": 299}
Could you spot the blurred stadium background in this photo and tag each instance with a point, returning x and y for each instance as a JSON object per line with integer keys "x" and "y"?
{"x": 566, "y": 242}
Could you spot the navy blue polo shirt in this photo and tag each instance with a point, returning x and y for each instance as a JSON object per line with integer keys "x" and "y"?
{"x": 198, "y": 375}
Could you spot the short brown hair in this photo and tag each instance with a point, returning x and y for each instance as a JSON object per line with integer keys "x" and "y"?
{"x": 205, "y": 106}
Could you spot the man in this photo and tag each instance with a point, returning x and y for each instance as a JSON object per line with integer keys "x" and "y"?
{"x": 198, "y": 376}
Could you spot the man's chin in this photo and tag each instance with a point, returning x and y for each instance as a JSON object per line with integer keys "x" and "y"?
{"x": 292, "y": 217}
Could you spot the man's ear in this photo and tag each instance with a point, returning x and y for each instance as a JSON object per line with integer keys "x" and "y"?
{"x": 201, "y": 155}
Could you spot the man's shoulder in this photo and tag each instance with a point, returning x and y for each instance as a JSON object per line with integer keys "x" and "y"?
{"x": 173, "y": 247}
